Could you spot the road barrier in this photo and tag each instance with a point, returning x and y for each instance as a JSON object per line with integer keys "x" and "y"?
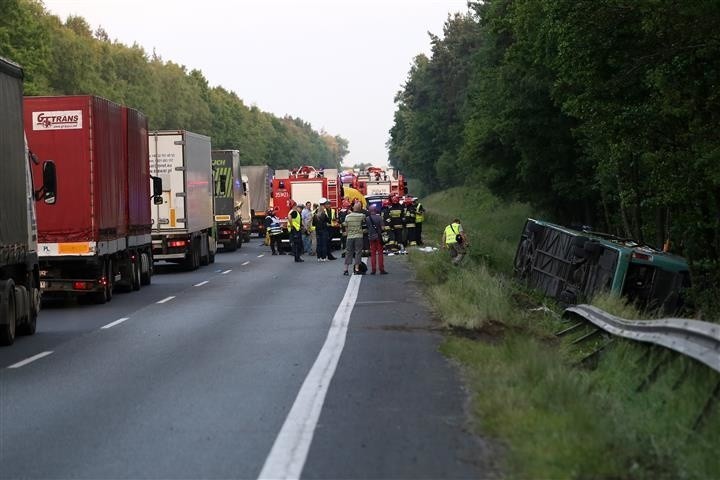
{"x": 693, "y": 338}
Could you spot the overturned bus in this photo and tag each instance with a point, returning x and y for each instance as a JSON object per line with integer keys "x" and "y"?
{"x": 572, "y": 266}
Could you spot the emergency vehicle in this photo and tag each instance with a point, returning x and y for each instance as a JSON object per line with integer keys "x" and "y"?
{"x": 378, "y": 182}
{"x": 301, "y": 185}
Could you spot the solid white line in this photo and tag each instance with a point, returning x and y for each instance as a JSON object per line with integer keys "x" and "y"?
{"x": 201, "y": 283}
{"x": 29, "y": 360}
{"x": 226, "y": 272}
{"x": 289, "y": 452}
{"x": 246, "y": 263}
{"x": 165, "y": 300}
{"x": 116, "y": 322}
{"x": 261, "y": 255}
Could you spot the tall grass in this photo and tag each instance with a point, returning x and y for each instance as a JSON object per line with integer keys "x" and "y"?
{"x": 632, "y": 413}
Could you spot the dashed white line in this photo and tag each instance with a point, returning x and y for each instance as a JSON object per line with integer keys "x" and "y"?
{"x": 165, "y": 300}
{"x": 226, "y": 272}
{"x": 246, "y": 263}
{"x": 290, "y": 450}
{"x": 116, "y": 322}
{"x": 201, "y": 283}
{"x": 261, "y": 255}
{"x": 29, "y": 360}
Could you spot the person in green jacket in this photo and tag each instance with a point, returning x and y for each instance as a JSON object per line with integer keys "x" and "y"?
{"x": 455, "y": 240}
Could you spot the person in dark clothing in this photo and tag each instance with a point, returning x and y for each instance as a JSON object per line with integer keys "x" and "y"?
{"x": 295, "y": 229}
{"x": 321, "y": 222}
{"x": 331, "y": 219}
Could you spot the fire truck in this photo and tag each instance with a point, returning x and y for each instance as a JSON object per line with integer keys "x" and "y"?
{"x": 301, "y": 185}
{"x": 376, "y": 182}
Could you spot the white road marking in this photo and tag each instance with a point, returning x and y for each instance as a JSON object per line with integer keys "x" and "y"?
{"x": 246, "y": 263}
{"x": 289, "y": 452}
{"x": 29, "y": 360}
{"x": 116, "y": 322}
{"x": 261, "y": 255}
{"x": 165, "y": 300}
{"x": 226, "y": 272}
{"x": 201, "y": 283}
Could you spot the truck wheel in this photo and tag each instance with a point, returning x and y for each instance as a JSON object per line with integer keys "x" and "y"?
{"x": 146, "y": 276}
{"x": 205, "y": 259}
{"x": 30, "y": 325}
{"x": 136, "y": 274}
{"x": 232, "y": 246}
{"x": 7, "y": 312}
{"x": 192, "y": 261}
{"x": 105, "y": 295}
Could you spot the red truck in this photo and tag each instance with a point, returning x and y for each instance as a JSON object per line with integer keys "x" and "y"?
{"x": 97, "y": 235}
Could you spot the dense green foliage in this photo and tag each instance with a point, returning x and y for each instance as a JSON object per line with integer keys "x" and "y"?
{"x": 69, "y": 58}
{"x": 599, "y": 112}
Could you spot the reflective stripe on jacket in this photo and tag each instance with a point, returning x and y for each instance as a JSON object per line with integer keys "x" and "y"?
{"x": 419, "y": 213}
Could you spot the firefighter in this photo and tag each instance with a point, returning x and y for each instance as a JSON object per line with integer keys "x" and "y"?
{"x": 295, "y": 228}
{"x": 409, "y": 219}
{"x": 419, "y": 219}
{"x": 387, "y": 230}
{"x": 394, "y": 220}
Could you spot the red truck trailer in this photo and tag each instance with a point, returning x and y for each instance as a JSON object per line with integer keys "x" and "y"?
{"x": 96, "y": 236}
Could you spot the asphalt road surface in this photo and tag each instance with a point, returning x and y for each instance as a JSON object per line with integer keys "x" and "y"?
{"x": 253, "y": 367}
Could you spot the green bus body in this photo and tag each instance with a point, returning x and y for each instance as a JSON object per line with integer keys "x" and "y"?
{"x": 572, "y": 265}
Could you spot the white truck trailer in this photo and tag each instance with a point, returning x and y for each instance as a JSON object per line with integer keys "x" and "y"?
{"x": 183, "y": 225}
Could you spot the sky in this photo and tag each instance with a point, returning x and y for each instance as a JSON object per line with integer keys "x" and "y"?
{"x": 336, "y": 64}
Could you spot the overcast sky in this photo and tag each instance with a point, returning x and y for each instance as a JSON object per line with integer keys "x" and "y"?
{"x": 336, "y": 64}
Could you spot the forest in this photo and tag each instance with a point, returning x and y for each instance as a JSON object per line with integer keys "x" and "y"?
{"x": 602, "y": 113}
{"x": 68, "y": 58}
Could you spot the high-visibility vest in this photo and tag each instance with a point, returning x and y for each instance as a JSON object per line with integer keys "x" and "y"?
{"x": 451, "y": 231}
{"x": 295, "y": 223}
{"x": 419, "y": 215}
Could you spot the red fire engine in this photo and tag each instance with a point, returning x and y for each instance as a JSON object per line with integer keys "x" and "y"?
{"x": 301, "y": 185}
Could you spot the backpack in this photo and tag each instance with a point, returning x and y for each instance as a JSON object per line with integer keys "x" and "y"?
{"x": 458, "y": 237}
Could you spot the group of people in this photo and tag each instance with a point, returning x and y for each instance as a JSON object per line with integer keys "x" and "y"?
{"x": 403, "y": 221}
{"x": 309, "y": 228}
{"x": 373, "y": 230}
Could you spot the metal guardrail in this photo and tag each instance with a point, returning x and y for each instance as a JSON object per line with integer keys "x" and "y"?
{"x": 693, "y": 338}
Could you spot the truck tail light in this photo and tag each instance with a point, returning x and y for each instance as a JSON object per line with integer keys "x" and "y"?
{"x": 177, "y": 243}
{"x": 80, "y": 286}
{"x": 642, "y": 256}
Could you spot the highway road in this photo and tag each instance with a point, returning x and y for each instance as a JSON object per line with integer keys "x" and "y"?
{"x": 253, "y": 367}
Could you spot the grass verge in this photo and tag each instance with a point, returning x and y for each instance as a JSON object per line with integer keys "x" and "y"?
{"x": 564, "y": 411}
